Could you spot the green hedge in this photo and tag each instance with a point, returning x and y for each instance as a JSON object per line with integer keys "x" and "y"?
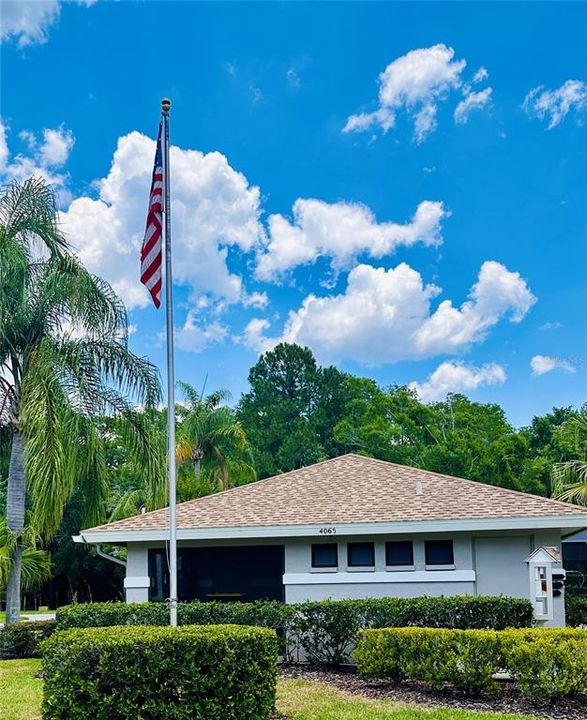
{"x": 321, "y": 632}
{"x": 269, "y": 614}
{"x": 221, "y": 672}
{"x": 546, "y": 663}
{"x": 326, "y": 631}
{"x": 576, "y": 610}
{"x": 22, "y": 640}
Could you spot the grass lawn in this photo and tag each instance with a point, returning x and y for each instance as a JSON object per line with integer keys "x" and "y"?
{"x": 309, "y": 700}
{"x": 20, "y": 699}
{"x": 25, "y": 614}
{"x": 20, "y": 690}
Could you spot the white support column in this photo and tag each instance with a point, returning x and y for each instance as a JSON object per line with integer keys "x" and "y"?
{"x": 137, "y": 581}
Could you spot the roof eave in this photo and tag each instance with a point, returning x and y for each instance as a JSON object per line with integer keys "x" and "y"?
{"x": 571, "y": 523}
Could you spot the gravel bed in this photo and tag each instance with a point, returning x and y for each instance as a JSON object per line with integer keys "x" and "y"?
{"x": 507, "y": 700}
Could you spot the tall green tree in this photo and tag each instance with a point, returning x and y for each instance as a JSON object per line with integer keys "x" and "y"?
{"x": 549, "y": 444}
{"x": 129, "y": 488}
{"x": 36, "y": 563}
{"x": 65, "y": 360}
{"x": 211, "y": 444}
{"x": 291, "y": 409}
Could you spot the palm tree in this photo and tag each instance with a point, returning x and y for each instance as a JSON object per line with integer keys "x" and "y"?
{"x": 64, "y": 360}
{"x": 36, "y": 564}
{"x": 211, "y": 440}
{"x": 130, "y": 489}
{"x": 569, "y": 479}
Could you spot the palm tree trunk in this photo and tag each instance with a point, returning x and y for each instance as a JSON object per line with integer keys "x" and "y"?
{"x": 15, "y": 506}
{"x": 223, "y": 477}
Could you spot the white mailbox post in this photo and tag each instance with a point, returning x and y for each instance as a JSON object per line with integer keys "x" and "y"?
{"x": 540, "y": 564}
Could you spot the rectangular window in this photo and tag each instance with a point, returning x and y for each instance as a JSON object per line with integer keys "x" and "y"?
{"x": 399, "y": 552}
{"x": 439, "y": 552}
{"x": 325, "y": 555}
{"x": 361, "y": 554}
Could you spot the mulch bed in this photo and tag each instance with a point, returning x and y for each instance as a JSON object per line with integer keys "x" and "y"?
{"x": 508, "y": 700}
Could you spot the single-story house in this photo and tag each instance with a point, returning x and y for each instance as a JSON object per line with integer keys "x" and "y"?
{"x": 353, "y": 527}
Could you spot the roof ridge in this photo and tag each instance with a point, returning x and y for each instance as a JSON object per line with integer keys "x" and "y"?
{"x": 505, "y": 490}
{"x": 498, "y": 496}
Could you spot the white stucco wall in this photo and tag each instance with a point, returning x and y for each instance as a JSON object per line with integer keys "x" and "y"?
{"x": 500, "y": 564}
{"x": 490, "y": 564}
{"x": 137, "y": 581}
{"x": 304, "y": 583}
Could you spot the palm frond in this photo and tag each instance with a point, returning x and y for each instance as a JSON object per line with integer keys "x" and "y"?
{"x": 44, "y": 411}
{"x": 569, "y": 481}
{"x": 28, "y": 213}
{"x": 36, "y": 563}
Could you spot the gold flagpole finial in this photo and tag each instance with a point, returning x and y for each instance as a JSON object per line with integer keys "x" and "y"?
{"x": 165, "y": 105}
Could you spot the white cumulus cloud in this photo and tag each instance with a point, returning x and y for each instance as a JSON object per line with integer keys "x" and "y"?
{"x": 480, "y": 75}
{"x": 256, "y": 300}
{"x": 451, "y": 377}
{"x": 472, "y": 101}
{"x": 4, "y": 152}
{"x": 213, "y": 208}
{"x": 554, "y": 105}
{"x": 498, "y": 292}
{"x": 195, "y": 337}
{"x": 29, "y": 21}
{"x": 341, "y": 231}
{"x": 49, "y": 152}
{"x": 254, "y": 337}
{"x": 542, "y": 364}
{"x": 56, "y": 146}
{"x": 416, "y": 83}
{"x": 386, "y": 315}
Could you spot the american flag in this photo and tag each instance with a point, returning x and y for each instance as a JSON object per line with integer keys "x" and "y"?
{"x": 151, "y": 252}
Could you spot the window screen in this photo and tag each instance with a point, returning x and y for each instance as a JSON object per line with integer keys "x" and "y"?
{"x": 399, "y": 552}
{"x": 361, "y": 554}
{"x": 439, "y": 552}
{"x": 325, "y": 556}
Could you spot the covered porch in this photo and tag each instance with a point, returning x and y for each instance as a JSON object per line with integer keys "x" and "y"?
{"x": 228, "y": 573}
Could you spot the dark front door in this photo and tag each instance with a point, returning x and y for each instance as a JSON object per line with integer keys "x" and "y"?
{"x": 239, "y": 573}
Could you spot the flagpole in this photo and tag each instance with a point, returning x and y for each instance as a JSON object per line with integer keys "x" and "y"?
{"x": 165, "y": 107}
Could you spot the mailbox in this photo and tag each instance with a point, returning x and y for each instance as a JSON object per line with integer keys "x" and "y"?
{"x": 558, "y": 582}
{"x": 546, "y": 582}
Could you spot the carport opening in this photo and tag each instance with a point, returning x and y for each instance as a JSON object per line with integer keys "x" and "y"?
{"x": 224, "y": 574}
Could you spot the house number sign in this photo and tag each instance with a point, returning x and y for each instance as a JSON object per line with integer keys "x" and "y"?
{"x": 327, "y": 531}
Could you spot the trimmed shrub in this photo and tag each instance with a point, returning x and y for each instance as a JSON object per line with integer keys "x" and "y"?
{"x": 464, "y": 612}
{"x": 23, "y": 640}
{"x": 545, "y": 662}
{"x": 324, "y": 631}
{"x": 269, "y": 614}
{"x": 466, "y": 659}
{"x": 576, "y": 610}
{"x": 221, "y": 672}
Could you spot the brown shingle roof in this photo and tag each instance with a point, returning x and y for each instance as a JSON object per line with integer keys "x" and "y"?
{"x": 352, "y": 489}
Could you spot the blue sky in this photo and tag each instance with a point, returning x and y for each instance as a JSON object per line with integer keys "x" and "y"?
{"x": 400, "y": 186}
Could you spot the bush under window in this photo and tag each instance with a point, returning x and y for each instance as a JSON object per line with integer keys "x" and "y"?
{"x": 321, "y": 632}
